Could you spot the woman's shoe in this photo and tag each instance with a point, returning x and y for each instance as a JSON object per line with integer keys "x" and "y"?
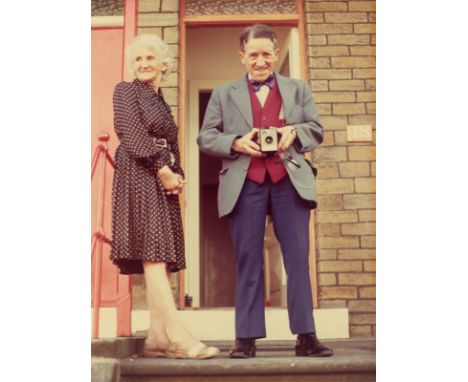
{"x": 199, "y": 351}
{"x": 153, "y": 353}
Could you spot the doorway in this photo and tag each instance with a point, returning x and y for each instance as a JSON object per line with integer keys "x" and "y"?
{"x": 210, "y": 276}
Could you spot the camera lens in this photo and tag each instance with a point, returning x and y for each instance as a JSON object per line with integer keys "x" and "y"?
{"x": 268, "y": 140}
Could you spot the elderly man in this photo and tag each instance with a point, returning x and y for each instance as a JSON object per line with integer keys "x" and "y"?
{"x": 261, "y": 126}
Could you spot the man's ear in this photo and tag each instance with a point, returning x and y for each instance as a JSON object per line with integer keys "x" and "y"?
{"x": 242, "y": 57}
{"x": 277, "y": 53}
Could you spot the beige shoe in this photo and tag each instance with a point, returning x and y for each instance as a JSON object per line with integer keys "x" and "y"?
{"x": 199, "y": 351}
{"x": 153, "y": 353}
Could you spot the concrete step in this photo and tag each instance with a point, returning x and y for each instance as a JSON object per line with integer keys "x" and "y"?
{"x": 354, "y": 361}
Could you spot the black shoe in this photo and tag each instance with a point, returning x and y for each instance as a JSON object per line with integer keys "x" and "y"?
{"x": 244, "y": 348}
{"x": 307, "y": 345}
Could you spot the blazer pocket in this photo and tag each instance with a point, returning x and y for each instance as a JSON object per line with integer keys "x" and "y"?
{"x": 314, "y": 169}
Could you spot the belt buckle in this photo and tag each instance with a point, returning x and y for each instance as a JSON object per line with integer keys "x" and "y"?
{"x": 160, "y": 142}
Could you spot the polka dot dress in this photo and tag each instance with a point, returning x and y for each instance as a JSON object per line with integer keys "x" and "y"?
{"x": 146, "y": 223}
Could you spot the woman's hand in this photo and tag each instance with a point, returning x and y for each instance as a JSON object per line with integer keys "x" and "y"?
{"x": 173, "y": 183}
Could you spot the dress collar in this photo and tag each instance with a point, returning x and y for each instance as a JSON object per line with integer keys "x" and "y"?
{"x": 146, "y": 89}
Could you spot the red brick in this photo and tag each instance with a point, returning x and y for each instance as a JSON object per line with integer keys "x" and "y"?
{"x": 345, "y": 17}
{"x": 316, "y": 40}
{"x": 329, "y": 202}
{"x": 367, "y": 292}
{"x": 330, "y": 154}
{"x": 354, "y": 169}
{"x": 364, "y": 28}
{"x": 359, "y": 201}
{"x": 328, "y": 51}
{"x": 326, "y": 279}
{"x": 367, "y": 215}
{"x": 334, "y": 122}
{"x": 348, "y": 39}
{"x": 362, "y": 50}
{"x": 339, "y": 266}
{"x": 328, "y": 140}
{"x": 329, "y": 28}
{"x": 373, "y": 168}
{"x": 338, "y": 242}
{"x": 326, "y": 6}
{"x": 336, "y": 216}
{"x": 319, "y": 62}
{"x": 356, "y": 278}
{"x": 337, "y": 292}
{"x": 362, "y": 318}
{"x": 365, "y": 185}
{"x": 347, "y": 85}
{"x": 324, "y": 97}
{"x": 362, "y": 120}
{"x": 348, "y": 108}
{"x": 356, "y": 254}
{"x": 324, "y": 109}
{"x": 332, "y": 303}
{"x": 326, "y": 254}
{"x": 367, "y": 6}
{"x": 319, "y": 85}
{"x": 369, "y": 266}
{"x": 327, "y": 170}
{"x": 361, "y": 305}
{"x": 358, "y": 229}
{"x": 314, "y": 18}
{"x": 328, "y": 229}
{"x": 368, "y": 241}
{"x": 361, "y": 153}
{"x": 364, "y": 73}
{"x": 370, "y": 107}
{"x": 330, "y": 74}
{"x": 353, "y": 62}
{"x": 371, "y": 85}
{"x": 335, "y": 186}
{"x": 367, "y": 96}
{"x": 360, "y": 331}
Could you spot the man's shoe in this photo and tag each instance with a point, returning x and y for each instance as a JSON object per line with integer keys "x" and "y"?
{"x": 307, "y": 345}
{"x": 243, "y": 348}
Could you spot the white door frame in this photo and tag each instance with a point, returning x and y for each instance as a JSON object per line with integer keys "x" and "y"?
{"x": 192, "y": 175}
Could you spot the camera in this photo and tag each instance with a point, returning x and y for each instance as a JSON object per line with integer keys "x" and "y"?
{"x": 268, "y": 140}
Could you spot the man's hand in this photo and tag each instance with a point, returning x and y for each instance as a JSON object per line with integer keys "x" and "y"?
{"x": 246, "y": 145}
{"x": 288, "y": 135}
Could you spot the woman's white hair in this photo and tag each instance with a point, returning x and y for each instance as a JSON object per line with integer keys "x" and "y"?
{"x": 151, "y": 41}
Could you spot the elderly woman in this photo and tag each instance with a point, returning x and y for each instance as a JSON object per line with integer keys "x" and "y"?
{"x": 146, "y": 223}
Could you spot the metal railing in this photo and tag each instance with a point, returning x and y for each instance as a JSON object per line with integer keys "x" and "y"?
{"x": 100, "y": 159}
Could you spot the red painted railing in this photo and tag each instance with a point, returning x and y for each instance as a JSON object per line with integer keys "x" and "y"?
{"x": 123, "y": 303}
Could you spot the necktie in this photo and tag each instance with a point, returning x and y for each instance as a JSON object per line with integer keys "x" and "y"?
{"x": 256, "y": 85}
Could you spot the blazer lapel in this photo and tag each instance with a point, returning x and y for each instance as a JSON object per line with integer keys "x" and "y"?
{"x": 240, "y": 95}
{"x": 287, "y": 93}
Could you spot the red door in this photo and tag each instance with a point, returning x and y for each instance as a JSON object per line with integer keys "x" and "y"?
{"x": 107, "y": 64}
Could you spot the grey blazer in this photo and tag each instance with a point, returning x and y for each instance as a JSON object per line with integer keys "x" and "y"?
{"x": 229, "y": 116}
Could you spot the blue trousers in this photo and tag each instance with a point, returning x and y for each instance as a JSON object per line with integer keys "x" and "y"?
{"x": 291, "y": 217}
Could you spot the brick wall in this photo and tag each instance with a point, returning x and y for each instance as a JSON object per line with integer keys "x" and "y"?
{"x": 160, "y": 17}
{"x": 341, "y": 50}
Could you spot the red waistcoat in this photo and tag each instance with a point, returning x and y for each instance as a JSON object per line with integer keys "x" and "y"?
{"x": 266, "y": 117}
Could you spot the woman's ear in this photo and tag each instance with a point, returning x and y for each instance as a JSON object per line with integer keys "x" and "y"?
{"x": 163, "y": 68}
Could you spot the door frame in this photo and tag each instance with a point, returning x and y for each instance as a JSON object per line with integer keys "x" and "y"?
{"x": 185, "y": 21}
{"x": 192, "y": 174}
